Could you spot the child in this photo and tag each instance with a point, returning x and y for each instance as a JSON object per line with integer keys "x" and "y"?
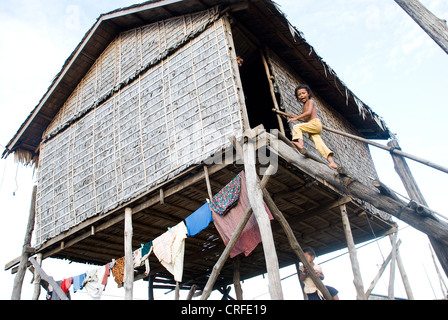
{"x": 310, "y": 288}
{"x": 312, "y": 125}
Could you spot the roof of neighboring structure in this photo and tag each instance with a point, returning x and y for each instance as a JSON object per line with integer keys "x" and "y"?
{"x": 263, "y": 18}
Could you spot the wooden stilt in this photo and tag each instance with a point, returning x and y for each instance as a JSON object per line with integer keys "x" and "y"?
{"x": 237, "y": 279}
{"x": 177, "y": 292}
{"x": 151, "y": 287}
{"x": 129, "y": 261}
{"x": 233, "y": 240}
{"x": 37, "y": 278}
{"x": 404, "y": 276}
{"x": 353, "y": 255}
{"x": 393, "y": 260}
{"x": 380, "y": 272}
{"x": 18, "y": 280}
{"x": 405, "y": 174}
{"x": 294, "y": 243}
{"x": 256, "y": 201}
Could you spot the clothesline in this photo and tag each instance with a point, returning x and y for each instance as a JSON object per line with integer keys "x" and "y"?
{"x": 225, "y": 210}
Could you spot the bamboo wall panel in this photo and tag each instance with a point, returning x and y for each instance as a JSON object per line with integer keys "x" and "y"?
{"x": 174, "y": 115}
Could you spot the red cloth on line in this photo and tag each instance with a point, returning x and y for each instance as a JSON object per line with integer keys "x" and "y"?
{"x": 226, "y": 225}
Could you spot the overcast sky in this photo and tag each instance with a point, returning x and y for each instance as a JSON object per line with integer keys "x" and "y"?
{"x": 380, "y": 53}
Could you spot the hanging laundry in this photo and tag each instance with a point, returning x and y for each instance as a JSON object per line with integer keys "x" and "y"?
{"x": 78, "y": 282}
{"x": 169, "y": 248}
{"x": 226, "y": 225}
{"x": 137, "y": 258}
{"x": 199, "y": 220}
{"x": 118, "y": 271}
{"x": 94, "y": 283}
{"x": 91, "y": 276}
{"x": 146, "y": 251}
{"x": 66, "y": 284}
{"x": 228, "y": 197}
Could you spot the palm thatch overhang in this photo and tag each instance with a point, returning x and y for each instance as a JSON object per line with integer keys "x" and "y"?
{"x": 262, "y": 18}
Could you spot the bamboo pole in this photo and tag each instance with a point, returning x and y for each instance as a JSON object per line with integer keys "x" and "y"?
{"x": 129, "y": 261}
{"x": 353, "y": 255}
{"x": 255, "y": 196}
{"x": 18, "y": 280}
{"x": 378, "y": 145}
{"x": 231, "y": 244}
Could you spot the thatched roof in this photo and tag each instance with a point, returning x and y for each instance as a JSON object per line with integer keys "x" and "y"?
{"x": 263, "y": 18}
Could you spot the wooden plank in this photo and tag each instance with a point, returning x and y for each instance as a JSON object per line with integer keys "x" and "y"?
{"x": 56, "y": 288}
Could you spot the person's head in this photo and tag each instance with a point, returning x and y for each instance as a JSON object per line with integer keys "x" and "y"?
{"x": 310, "y": 254}
{"x": 301, "y": 89}
{"x": 239, "y": 59}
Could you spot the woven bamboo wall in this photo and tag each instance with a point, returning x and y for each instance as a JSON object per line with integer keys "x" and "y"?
{"x": 353, "y": 155}
{"x": 123, "y": 130}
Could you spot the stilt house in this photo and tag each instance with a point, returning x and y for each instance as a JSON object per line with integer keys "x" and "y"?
{"x": 148, "y": 113}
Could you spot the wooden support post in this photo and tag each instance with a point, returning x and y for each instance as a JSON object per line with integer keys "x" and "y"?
{"x": 151, "y": 287}
{"x": 294, "y": 243}
{"x": 380, "y": 272}
{"x": 393, "y": 260}
{"x": 436, "y": 28}
{"x": 129, "y": 261}
{"x": 237, "y": 278}
{"x": 37, "y": 278}
{"x": 353, "y": 255}
{"x": 231, "y": 244}
{"x": 404, "y": 276}
{"x": 255, "y": 196}
{"x": 56, "y": 288}
{"x": 177, "y": 292}
{"x": 18, "y": 280}
{"x": 405, "y": 174}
